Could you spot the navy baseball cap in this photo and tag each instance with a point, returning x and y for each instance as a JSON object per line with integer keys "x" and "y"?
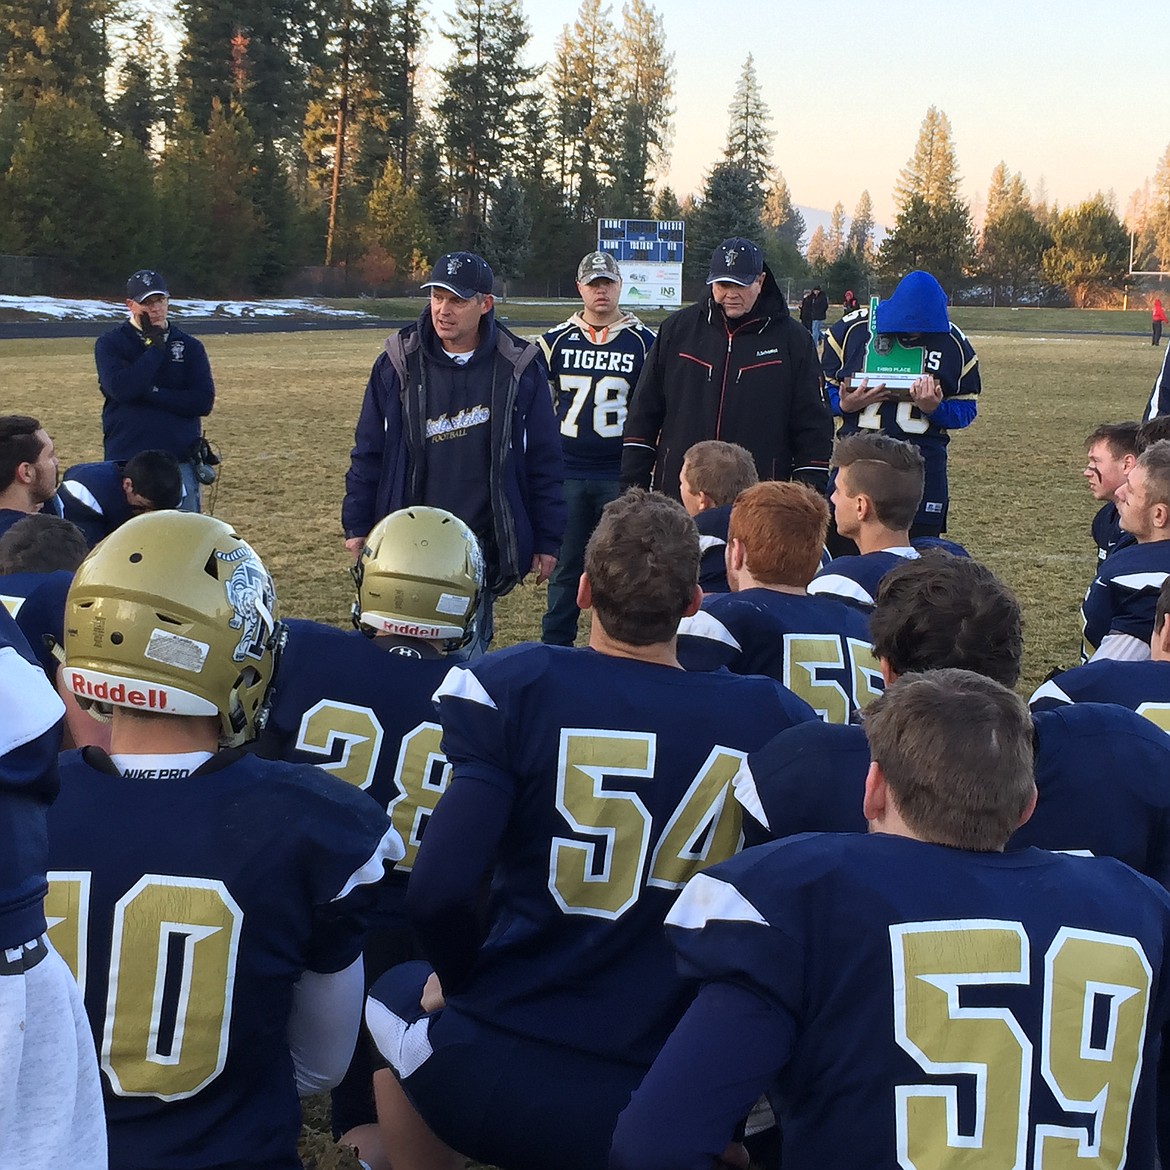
{"x": 463, "y": 273}
{"x": 917, "y": 305}
{"x": 737, "y": 261}
{"x": 146, "y": 283}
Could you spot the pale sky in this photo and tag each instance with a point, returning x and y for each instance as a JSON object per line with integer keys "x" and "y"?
{"x": 1073, "y": 93}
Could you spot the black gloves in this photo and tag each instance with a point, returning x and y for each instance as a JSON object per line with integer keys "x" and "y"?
{"x": 151, "y": 334}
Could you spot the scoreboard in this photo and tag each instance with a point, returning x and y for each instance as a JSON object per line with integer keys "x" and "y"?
{"x": 650, "y": 255}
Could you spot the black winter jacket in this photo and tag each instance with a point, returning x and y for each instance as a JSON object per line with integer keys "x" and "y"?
{"x": 755, "y": 381}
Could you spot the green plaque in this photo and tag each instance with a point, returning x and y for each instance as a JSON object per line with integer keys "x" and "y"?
{"x": 887, "y": 359}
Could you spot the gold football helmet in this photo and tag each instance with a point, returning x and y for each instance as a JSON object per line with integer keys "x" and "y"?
{"x": 420, "y": 575}
{"x": 173, "y": 612}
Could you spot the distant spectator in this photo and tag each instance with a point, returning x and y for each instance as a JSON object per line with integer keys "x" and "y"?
{"x": 713, "y": 474}
{"x": 28, "y": 468}
{"x": 99, "y": 497}
{"x": 820, "y": 310}
{"x": 849, "y": 301}
{"x": 806, "y": 309}
{"x": 157, "y": 383}
{"x": 1157, "y": 320}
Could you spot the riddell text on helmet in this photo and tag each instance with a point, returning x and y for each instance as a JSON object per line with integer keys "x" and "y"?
{"x": 151, "y": 698}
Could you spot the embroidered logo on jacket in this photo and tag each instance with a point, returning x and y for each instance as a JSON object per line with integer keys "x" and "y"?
{"x": 455, "y": 425}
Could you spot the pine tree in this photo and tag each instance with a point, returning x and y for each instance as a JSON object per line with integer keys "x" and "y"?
{"x": 932, "y": 173}
{"x": 140, "y": 108}
{"x": 860, "y": 238}
{"x": 835, "y": 240}
{"x": 397, "y": 236}
{"x": 644, "y": 91}
{"x": 938, "y": 239}
{"x": 584, "y": 105}
{"x": 483, "y": 92}
{"x": 253, "y": 57}
{"x": 59, "y": 191}
{"x": 749, "y": 135}
{"x": 1158, "y": 230}
{"x": 730, "y": 207}
{"x": 666, "y": 205}
{"x": 818, "y": 250}
{"x": 1013, "y": 240}
{"x": 1089, "y": 252}
{"x": 434, "y": 192}
{"x": 780, "y": 215}
{"x": 508, "y": 246}
{"x": 59, "y": 47}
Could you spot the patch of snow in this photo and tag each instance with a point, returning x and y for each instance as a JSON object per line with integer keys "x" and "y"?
{"x": 67, "y": 309}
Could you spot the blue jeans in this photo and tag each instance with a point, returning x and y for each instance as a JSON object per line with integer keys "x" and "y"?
{"x": 192, "y": 500}
{"x": 585, "y": 499}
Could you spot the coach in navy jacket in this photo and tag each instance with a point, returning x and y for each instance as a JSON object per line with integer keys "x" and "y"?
{"x": 473, "y": 433}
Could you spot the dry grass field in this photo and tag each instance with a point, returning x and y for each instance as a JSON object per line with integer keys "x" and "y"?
{"x": 287, "y": 404}
{"x": 284, "y": 423}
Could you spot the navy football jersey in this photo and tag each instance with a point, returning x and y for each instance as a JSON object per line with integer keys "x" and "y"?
{"x": 1108, "y": 533}
{"x": 948, "y": 357}
{"x": 1124, "y": 594}
{"x": 363, "y": 714}
{"x": 592, "y": 372}
{"x": 818, "y": 647}
{"x": 856, "y": 579}
{"x": 92, "y": 497}
{"x": 1143, "y": 687}
{"x": 597, "y": 786}
{"x": 188, "y": 908}
{"x": 30, "y": 738}
{"x": 924, "y": 1006}
{"x": 712, "y": 526}
{"x": 1100, "y": 773}
{"x": 37, "y": 601}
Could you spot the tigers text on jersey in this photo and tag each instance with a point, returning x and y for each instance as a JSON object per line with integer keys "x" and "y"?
{"x": 818, "y": 647}
{"x": 613, "y": 780}
{"x": 592, "y": 372}
{"x": 1124, "y": 594}
{"x": 925, "y": 1006}
{"x": 366, "y": 716}
{"x": 812, "y": 779}
{"x": 188, "y": 909}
